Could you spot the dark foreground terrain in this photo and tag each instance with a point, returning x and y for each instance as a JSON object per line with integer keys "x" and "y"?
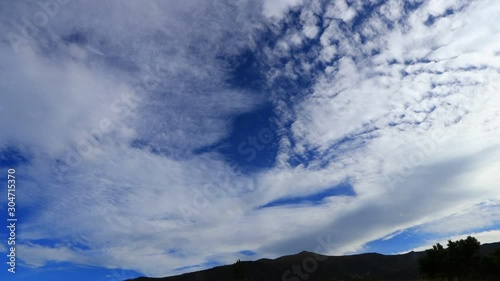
{"x": 313, "y": 267}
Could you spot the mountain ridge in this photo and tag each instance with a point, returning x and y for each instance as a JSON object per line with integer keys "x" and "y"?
{"x": 311, "y": 266}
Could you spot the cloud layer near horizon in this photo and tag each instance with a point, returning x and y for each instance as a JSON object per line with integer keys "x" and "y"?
{"x": 111, "y": 105}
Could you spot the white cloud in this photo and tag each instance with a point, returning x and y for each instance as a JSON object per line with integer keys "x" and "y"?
{"x": 340, "y": 10}
{"x": 483, "y": 215}
{"x": 421, "y": 143}
{"x": 278, "y": 8}
{"x": 169, "y": 100}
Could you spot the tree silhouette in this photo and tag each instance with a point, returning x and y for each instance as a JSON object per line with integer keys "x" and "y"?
{"x": 458, "y": 261}
{"x": 463, "y": 257}
{"x": 434, "y": 264}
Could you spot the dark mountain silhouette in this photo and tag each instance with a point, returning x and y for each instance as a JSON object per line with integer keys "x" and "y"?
{"x": 314, "y": 267}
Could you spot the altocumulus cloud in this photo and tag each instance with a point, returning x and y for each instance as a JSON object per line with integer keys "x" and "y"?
{"x": 116, "y": 107}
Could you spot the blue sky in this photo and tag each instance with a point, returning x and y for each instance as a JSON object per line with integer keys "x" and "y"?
{"x": 161, "y": 137}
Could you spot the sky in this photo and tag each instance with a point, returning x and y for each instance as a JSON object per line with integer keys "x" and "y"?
{"x": 154, "y": 138}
